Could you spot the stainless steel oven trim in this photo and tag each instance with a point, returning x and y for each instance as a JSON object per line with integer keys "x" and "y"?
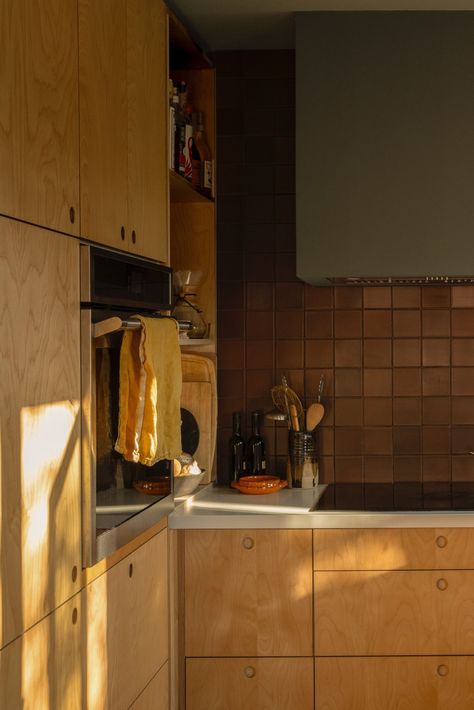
{"x": 96, "y": 548}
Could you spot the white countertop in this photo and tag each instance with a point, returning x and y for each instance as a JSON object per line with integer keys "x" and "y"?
{"x": 214, "y": 508}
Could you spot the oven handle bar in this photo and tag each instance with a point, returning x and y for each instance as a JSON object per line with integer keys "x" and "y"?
{"x": 114, "y": 324}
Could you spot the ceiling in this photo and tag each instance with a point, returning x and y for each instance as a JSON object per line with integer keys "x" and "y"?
{"x": 268, "y": 24}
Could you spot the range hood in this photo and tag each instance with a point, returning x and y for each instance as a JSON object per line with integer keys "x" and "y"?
{"x": 385, "y": 147}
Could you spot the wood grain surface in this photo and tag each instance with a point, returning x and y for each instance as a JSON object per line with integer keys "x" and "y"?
{"x": 224, "y": 684}
{"x": 434, "y": 683}
{"x": 40, "y": 476}
{"x": 39, "y": 118}
{"x": 156, "y": 694}
{"x": 250, "y": 590}
{"x": 394, "y": 613}
{"x": 401, "y": 548}
{"x": 127, "y": 626}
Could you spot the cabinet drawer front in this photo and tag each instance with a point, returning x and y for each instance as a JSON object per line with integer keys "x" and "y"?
{"x": 253, "y": 683}
{"x": 156, "y": 694}
{"x": 394, "y": 613}
{"x": 434, "y": 683}
{"x": 401, "y": 548}
{"x": 251, "y": 590}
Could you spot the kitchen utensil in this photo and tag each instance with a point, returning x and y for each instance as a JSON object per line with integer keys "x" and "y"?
{"x": 283, "y": 396}
{"x": 276, "y": 416}
{"x": 313, "y": 416}
{"x": 320, "y": 388}
{"x": 301, "y": 459}
{"x": 261, "y": 488}
{"x": 294, "y": 418}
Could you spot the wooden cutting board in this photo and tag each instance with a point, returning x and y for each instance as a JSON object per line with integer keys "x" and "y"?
{"x": 199, "y": 396}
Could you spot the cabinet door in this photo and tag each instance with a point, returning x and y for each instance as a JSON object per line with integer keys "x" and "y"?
{"x": 39, "y": 124}
{"x": 156, "y": 694}
{"x": 394, "y": 613}
{"x": 147, "y": 81}
{"x": 103, "y": 120}
{"x": 40, "y": 473}
{"x": 42, "y": 669}
{"x": 431, "y": 683}
{"x": 251, "y": 591}
{"x": 256, "y": 683}
{"x": 127, "y": 626}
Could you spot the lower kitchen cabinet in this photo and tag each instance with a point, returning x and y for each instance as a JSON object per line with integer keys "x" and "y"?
{"x": 429, "y": 683}
{"x": 41, "y": 670}
{"x": 249, "y": 683}
{"x": 156, "y": 694}
{"x": 127, "y": 626}
{"x": 248, "y": 593}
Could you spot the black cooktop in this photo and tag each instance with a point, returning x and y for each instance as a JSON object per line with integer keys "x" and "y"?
{"x": 397, "y": 496}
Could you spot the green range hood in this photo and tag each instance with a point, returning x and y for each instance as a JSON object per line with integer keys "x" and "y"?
{"x": 385, "y": 147}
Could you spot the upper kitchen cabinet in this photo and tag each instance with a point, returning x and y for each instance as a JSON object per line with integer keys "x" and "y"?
{"x": 192, "y": 209}
{"x": 40, "y": 476}
{"x": 123, "y": 125}
{"x": 39, "y": 124}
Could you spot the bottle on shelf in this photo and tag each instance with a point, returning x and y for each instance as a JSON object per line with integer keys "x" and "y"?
{"x": 183, "y": 101}
{"x": 236, "y": 450}
{"x": 205, "y": 156}
{"x": 195, "y": 158}
{"x": 177, "y": 129}
{"x": 172, "y": 126}
{"x": 256, "y": 463}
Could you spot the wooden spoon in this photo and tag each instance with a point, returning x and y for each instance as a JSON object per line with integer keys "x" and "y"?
{"x": 313, "y": 416}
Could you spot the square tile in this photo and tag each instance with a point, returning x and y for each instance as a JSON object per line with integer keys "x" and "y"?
{"x": 406, "y": 296}
{"x": 436, "y": 468}
{"x": 231, "y": 354}
{"x": 407, "y": 439}
{"x": 463, "y": 380}
{"x": 348, "y": 411}
{"x": 436, "y": 440}
{"x": 407, "y": 411}
{"x": 377, "y": 353}
{"x": 326, "y": 469}
{"x": 378, "y": 469}
{"x": 406, "y": 324}
{"x": 378, "y": 440}
{"x": 377, "y": 324}
{"x": 437, "y": 411}
{"x": 436, "y": 324}
{"x": 462, "y": 296}
{"x": 348, "y": 469}
{"x": 407, "y": 352}
{"x": 463, "y": 323}
{"x": 288, "y": 296}
{"x": 318, "y": 297}
{"x": 436, "y": 296}
{"x": 436, "y": 352}
{"x": 348, "y": 324}
{"x": 462, "y": 439}
{"x": 259, "y": 354}
{"x": 462, "y": 352}
{"x": 348, "y": 353}
{"x": 289, "y": 354}
{"x": 312, "y": 378}
{"x": 259, "y": 325}
{"x": 319, "y": 324}
{"x": 406, "y": 381}
{"x": 462, "y": 410}
{"x": 259, "y": 296}
{"x": 348, "y": 297}
{"x": 348, "y": 441}
{"x": 231, "y": 324}
{"x": 436, "y": 381}
{"x": 319, "y": 353}
{"x": 348, "y": 383}
{"x": 407, "y": 468}
{"x": 289, "y": 326}
{"x": 378, "y": 411}
{"x": 377, "y": 297}
{"x": 259, "y": 268}
{"x": 462, "y": 468}
{"x": 377, "y": 383}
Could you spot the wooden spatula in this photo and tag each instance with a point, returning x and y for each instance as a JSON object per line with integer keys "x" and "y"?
{"x": 314, "y": 415}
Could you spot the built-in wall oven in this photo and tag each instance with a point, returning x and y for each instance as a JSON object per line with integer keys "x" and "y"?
{"x": 114, "y": 288}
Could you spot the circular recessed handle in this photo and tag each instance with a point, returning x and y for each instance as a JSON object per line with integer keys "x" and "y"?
{"x": 442, "y": 584}
{"x": 442, "y": 670}
{"x": 72, "y": 215}
{"x": 249, "y": 671}
{"x": 130, "y": 570}
{"x": 74, "y": 573}
{"x": 75, "y": 614}
{"x": 122, "y": 233}
{"x": 248, "y": 543}
{"x": 441, "y": 541}
{"x": 134, "y": 236}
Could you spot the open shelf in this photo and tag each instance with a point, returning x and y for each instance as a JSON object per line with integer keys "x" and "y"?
{"x": 181, "y": 190}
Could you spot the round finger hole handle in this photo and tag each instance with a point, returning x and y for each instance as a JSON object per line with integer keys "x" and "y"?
{"x": 442, "y": 584}
{"x": 442, "y": 670}
{"x": 248, "y": 543}
{"x": 441, "y": 541}
{"x": 249, "y": 671}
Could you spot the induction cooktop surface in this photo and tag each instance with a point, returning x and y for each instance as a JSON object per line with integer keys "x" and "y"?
{"x": 397, "y": 496}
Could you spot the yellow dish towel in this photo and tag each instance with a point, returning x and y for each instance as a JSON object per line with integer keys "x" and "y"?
{"x": 150, "y": 392}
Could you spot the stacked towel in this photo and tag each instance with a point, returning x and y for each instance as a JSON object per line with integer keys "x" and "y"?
{"x": 150, "y": 392}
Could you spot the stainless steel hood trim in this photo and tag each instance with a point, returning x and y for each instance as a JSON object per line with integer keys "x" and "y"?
{"x": 402, "y": 280}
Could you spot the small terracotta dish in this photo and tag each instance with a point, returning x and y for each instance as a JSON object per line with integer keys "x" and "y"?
{"x": 259, "y": 485}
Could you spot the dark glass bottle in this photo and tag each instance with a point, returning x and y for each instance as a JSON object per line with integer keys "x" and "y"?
{"x": 236, "y": 450}
{"x": 255, "y": 449}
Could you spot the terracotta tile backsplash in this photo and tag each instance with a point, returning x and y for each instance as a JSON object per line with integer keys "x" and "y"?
{"x": 398, "y": 361}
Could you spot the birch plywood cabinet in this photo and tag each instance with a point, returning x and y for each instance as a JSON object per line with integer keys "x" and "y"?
{"x": 42, "y": 670}
{"x": 394, "y": 619}
{"x": 127, "y": 627}
{"x": 123, "y": 125}
{"x": 39, "y": 424}
{"x": 248, "y": 617}
{"x": 39, "y": 119}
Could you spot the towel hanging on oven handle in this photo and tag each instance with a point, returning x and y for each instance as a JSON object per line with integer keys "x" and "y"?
{"x": 114, "y": 324}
